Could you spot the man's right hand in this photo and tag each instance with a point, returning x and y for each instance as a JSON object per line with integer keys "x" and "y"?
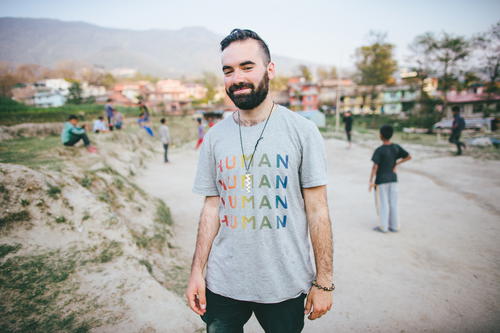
{"x": 195, "y": 293}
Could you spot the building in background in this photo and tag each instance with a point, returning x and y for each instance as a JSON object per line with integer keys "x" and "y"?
{"x": 398, "y": 99}
{"x": 303, "y": 95}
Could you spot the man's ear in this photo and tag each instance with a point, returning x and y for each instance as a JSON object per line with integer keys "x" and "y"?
{"x": 271, "y": 70}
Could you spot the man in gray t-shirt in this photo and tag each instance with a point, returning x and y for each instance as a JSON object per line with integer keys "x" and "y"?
{"x": 263, "y": 173}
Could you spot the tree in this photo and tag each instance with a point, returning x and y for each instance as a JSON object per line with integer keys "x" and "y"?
{"x": 488, "y": 45}
{"x": 305, "y": 72}
{"x": 375, "y": 63}
{"x": 75, "y": 94}
{"x": 444, "y": 53}
{"x": 7, "y": 79}
{"x": 279, "y": 83}
{"x": 210, "y": 81}
{"x": 325, "y": 74}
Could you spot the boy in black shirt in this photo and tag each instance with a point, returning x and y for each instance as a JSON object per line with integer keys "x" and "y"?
{"x": 385, "y": 160}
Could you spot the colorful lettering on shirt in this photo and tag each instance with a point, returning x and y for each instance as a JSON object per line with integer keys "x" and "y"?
{"x": 268, "y": 173}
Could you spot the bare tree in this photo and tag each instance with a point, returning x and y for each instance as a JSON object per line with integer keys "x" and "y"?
{"x": 444, "y": 54}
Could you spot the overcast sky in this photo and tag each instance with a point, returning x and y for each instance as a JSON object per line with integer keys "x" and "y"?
{"x": 320, "y": 31}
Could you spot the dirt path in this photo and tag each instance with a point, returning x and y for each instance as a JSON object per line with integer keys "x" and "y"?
{"x": 440, "y": 273}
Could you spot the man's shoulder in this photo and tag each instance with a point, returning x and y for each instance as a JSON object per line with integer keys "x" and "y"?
{"x": 296, "y": 118}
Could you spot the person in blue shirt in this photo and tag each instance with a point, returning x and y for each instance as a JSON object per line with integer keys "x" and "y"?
{"x": 72, "y": 134}
{"x": 143, "y": 122}
{"x": 108, "y": 108}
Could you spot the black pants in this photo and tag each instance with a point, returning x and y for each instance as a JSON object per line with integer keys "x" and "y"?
{"x": 110, "y": 123}
{"x": 348, "y": 133}
{"x": 77, "y": 137}
{"x": 455, "y": 139}
{"x": 165, "y": 148}
{"x": 227, "y": 315}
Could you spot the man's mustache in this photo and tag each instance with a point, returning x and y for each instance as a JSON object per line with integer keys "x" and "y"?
{"x": 240, "y": 86}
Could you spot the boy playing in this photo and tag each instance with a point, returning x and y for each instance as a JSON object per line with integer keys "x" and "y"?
{"x": 385, "y": 160}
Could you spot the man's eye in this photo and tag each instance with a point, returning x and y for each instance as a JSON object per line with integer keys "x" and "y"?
{"x": 227, "y": 73}
{"x": 247, "y": 68}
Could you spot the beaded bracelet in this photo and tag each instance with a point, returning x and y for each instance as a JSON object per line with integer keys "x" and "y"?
{"x": 332, "y": 288}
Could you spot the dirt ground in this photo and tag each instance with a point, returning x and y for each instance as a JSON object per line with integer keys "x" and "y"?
{"x": 440, "y": 273}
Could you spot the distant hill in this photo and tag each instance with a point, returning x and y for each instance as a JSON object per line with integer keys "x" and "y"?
{"x": 188, "y": 51}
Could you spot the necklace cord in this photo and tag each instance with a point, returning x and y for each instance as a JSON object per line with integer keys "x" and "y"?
{"x": 247, "y": 167}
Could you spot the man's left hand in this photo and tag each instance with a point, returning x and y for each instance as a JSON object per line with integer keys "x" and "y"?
{"x": 319, "y": 301}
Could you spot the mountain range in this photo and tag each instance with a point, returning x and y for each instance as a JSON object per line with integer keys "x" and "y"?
{"x": 173, "y": 53}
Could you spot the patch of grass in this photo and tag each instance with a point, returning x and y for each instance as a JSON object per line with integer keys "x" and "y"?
{"x": 32, "y": 152}
{"x": 147, "y": 264}
{"x": 118, "y": 182}
{"x": 176, "y": 278}
{"x": 105, "y": 197}
{"x": 5, "y": 249}
{"x": 53, "y": 191}
{"x": 163, "y": 215}
{"x": 60, "y": 219}
{"x": 24, "y": 202}
{"x": 12, "y": 113}
{"x": 10, "y": 218}
{"x": 31, "y": 287}
{"x": 86, "y": 181}
{"x": 111, "y": 250}
{"x": 86, "y": 216}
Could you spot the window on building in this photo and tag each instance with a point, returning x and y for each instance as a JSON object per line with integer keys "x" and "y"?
{"x": 478, "y": 107}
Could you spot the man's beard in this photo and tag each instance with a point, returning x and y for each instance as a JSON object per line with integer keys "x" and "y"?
{"x": 254, "y": 98}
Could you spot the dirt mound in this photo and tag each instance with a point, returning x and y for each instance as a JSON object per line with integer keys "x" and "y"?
{"x": 30, "y": 130}
{"x": 85, "y": 249}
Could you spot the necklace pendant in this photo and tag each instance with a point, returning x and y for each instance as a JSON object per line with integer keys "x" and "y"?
{"x": 248, "y": 182}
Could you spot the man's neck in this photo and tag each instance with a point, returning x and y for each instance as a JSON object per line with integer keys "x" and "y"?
{"x": 387, "y": 142}
{"x": 256, "y": 115}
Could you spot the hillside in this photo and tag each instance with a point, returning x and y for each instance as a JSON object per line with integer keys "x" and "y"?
{"x": 187, "y": 51}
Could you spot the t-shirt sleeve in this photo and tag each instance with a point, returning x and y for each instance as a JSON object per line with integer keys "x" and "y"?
{"x": 402, "y": 153}
{"x": 205, "y": 181}
{"x": 376, "y": 158}
{"x": 313, "y": 167}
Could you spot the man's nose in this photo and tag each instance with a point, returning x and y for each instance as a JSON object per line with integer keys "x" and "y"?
{"x": 238, "y": 77}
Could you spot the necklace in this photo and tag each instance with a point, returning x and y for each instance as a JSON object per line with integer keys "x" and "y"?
{"x": 248, "y": 175}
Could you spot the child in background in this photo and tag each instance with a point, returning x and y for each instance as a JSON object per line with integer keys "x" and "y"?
{"x": 385, "y": 159}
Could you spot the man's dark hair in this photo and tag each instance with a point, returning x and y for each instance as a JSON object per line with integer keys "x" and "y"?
{"x": 455, "y": 109}
{"x": 109, "y": 100}
{"x": 386, "y": 131}
{"x": 244, "y": 34}
{"x": 162, "y": 120}
{"x": 72, "y": 116}
{"x": 101, "y": 118}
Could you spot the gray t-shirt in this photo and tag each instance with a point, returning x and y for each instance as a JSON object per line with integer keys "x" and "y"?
{"x": 261, "y": 252}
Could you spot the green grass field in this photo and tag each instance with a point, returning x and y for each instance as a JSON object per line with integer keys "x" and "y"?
{"x": 12, "y": 112}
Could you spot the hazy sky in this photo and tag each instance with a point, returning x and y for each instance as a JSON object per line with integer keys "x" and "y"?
{"x": 321, "y": 31}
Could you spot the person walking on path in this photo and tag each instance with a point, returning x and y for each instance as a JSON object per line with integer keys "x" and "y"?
{"x": 72, "y": 134}
{"x": 347, "y": 119}
{"x": 201, "y": 133}
{"x": 108, "y": 109}
{"x": 263, "y": 175}
{"x": 456, "y": 130}
{"x": 385, "y": 159}
{"x": 164, "y": 138}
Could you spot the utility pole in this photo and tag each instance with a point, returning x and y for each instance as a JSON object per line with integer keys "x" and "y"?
{"x": 337, "y": 103}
